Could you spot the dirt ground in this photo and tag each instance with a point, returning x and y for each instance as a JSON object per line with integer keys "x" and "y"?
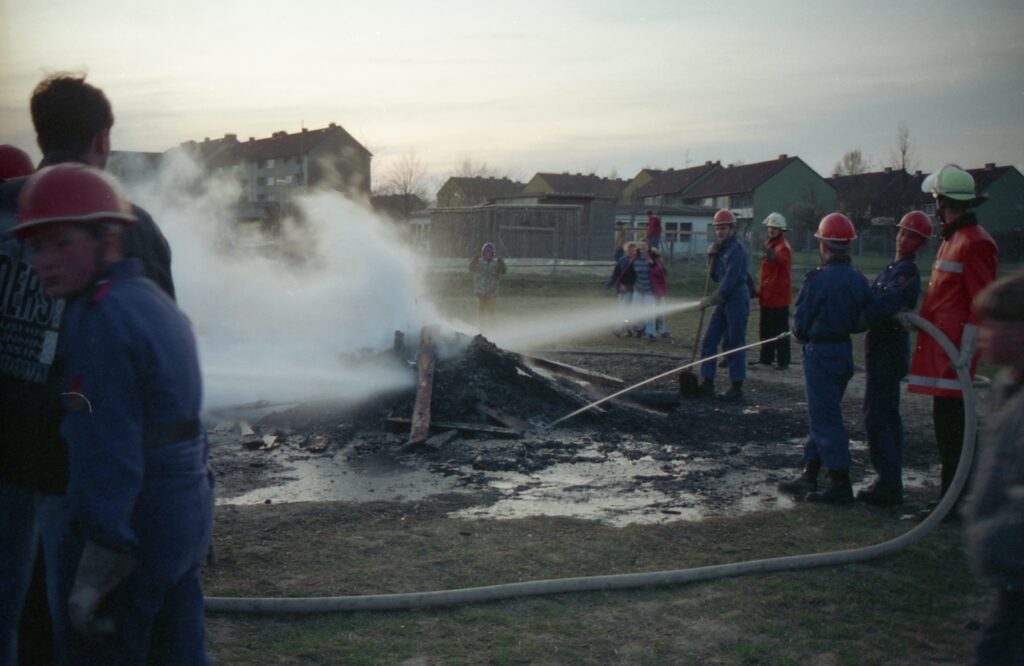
{"x": 679, "y": 458}
{"x": 319, "y": 499}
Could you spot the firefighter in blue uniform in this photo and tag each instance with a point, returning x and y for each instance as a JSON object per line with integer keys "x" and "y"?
{"x": 887, "y": 360}
{"x": 728, "y": 325}
{"x": 139, "y": 498}
{"x": 827, "y": 311}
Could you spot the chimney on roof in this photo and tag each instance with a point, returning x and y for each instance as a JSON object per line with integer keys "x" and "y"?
{"x": 707, "y": 162}
{"x": 578, "y": 173}
{"x": 671, "y": 168}
{"x": 279, "y": 135}
{"x": 989, "y": 166}
{"x": 728, "y": 166}
{"x": 206, "y": 139}
{"x": 231, "y": 137}
{"x": 918, "y": 173}
{"x": 887, "y": 170}
{"x": 783, "y": 156}
{"x": 304, "y": 130}
{"x": 252, "y": 138}
{"x": 332, "y": 125}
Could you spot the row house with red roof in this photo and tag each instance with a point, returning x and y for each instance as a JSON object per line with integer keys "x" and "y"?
{"x": 273, "y": 169}
{"x": 877, "y": 200}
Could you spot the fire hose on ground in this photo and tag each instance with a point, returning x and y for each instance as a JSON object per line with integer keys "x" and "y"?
{"x": 408, "y": 600}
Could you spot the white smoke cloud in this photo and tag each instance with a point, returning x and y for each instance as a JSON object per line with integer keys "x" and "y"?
{"x": 275, "y": 328}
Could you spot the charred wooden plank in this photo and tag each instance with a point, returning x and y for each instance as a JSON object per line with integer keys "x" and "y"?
{"x": 424, "y": 385}
{"x": 463, "y": 428}
{"x": 574, "y": 371}
{"x": 506, "y": 420}
{"x": 555, "y": 387}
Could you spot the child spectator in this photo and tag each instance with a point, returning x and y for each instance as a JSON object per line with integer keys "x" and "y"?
{"x": 995, "y": 510}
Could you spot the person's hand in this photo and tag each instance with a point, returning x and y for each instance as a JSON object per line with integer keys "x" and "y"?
{"x": 99, "y": 571}
{"x": 712, "y": 249}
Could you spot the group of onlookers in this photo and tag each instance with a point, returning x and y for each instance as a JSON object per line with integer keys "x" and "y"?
{"x": 641, "y": 285}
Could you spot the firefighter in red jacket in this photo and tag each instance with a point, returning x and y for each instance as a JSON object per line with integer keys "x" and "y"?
{"x": 776, "y": 291}
{"x": 965, "y": 264}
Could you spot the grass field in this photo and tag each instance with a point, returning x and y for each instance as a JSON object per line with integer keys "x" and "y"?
{"x": 919, "y": 606}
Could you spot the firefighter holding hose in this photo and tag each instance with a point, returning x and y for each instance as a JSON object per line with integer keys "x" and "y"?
{"x": 139, "y": 504}
{"x": 965, "y": 264}
{"x": 827, "y": 311}
{"x": 731, "y": 303}
{"x": 887, "y": 360}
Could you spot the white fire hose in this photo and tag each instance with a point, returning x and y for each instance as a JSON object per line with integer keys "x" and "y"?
{"x": 638, "y": 580}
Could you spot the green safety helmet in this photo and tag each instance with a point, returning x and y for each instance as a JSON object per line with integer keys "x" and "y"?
{"x": 775, "y": 220}
{"x": 951, "y": 182}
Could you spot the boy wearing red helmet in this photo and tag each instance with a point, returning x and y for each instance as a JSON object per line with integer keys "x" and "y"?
{"x": 139, "y": 503}
{"x": 827, "y": 310}
{"x": 887, "y": 360}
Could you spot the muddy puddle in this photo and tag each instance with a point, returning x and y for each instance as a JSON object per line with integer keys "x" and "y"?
{"x": 608, "y": 486}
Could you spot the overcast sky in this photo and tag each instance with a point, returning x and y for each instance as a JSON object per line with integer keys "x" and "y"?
{"x": 553, "y": 85}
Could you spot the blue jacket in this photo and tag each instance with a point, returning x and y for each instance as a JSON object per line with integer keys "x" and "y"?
{"x": 887, "y": 344}
{"x": 730, "y": 271}
{"x": 830, "y": 302}
{"x": 31, "y": 453}
{"x": 130, "y": 384}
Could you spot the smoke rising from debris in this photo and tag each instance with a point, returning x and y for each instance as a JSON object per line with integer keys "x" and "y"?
{"x": 280, "y": 316}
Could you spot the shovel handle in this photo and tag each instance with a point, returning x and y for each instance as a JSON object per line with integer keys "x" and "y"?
{"x": 700, "y": 320}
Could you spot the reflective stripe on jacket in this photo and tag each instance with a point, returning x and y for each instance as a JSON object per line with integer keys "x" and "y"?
{"x": 965, "y": 264}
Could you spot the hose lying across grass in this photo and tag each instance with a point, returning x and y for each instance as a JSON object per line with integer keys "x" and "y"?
{"x": 638, "y": 580}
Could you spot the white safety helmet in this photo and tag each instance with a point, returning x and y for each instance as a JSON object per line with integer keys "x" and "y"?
{"x": 775, "y": 220}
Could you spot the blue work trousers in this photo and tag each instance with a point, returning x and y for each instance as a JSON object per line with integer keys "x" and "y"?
{"x": 728, "y": 327}
{"x": 158, "y": 610}
{"x": 884, "y": 427}
{"x": 26, "y": 518}
{"x": 828, "y": 368}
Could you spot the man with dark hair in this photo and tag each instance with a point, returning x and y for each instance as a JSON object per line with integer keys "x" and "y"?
{"x": 72, "y": 120}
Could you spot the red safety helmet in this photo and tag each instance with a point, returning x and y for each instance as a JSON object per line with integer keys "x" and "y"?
{"x": 724, "y": 216}
{"x": 70, "y": 192}
{"x": 917, "y": 222}
{"x": 836, "y": 227}
{"x": 14, "y": 162}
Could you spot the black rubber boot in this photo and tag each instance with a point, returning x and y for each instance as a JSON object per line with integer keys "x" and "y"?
{"x": 807, "y": 482}
{"x": 734, "y": 394}
{"x": 707, "y": 388}
{"x": 839, "y": 490}
{"x": 878, "y": 496}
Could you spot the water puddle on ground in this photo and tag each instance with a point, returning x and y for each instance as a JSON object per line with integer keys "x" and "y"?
{"x": 608, "y": 487}
{"x": 340, "y": 478}
{"x": 620, "y": 491}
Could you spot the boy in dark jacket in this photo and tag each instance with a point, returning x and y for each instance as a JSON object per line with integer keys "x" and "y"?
{"x": 995, "y": 511}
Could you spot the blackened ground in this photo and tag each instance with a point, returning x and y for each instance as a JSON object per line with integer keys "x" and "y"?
{"x": 702, "y": 447}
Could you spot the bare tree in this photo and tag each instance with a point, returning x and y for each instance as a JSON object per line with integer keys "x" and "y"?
{"x": 902, "y": 155}
{"x": 471, "y": 169}
{"x": 852, "y": 164}
{"x": 406, "y": 176}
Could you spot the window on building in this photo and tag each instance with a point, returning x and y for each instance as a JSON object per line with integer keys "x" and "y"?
{"x": 261, "y": 181}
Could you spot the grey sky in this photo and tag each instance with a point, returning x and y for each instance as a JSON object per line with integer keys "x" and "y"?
{"x": 543, "y": 86}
